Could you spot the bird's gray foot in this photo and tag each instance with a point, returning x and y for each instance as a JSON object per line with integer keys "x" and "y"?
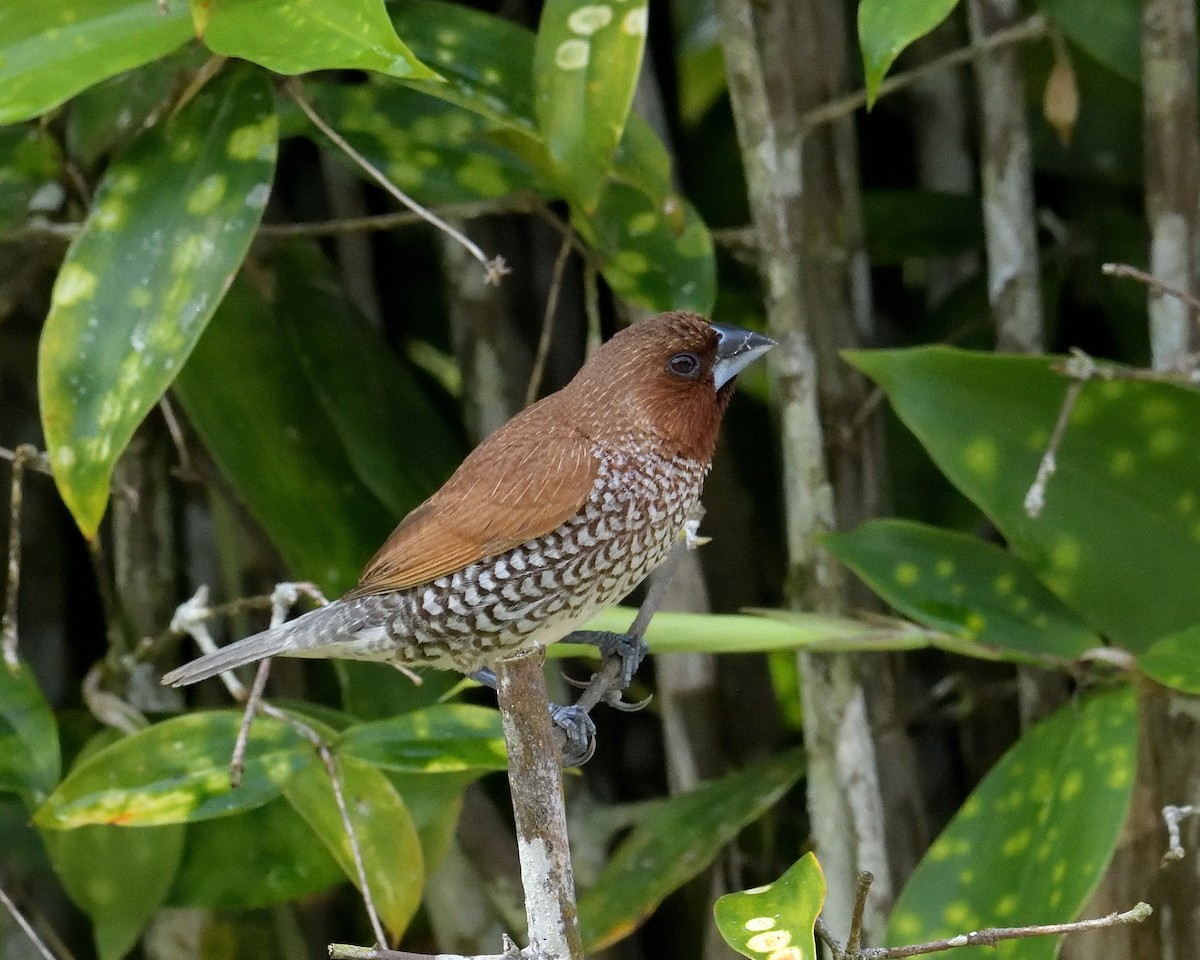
{"x": 579, "y": 730}
{"x": 627, "y": 648}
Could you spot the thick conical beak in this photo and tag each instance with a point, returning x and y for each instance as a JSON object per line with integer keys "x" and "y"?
{"x": 736, "y": 350}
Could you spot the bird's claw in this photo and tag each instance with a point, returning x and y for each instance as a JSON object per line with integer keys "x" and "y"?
{"x": 630, "y": 650}
{"x": 627, "y": 706}
{"x": 580, "y": 732}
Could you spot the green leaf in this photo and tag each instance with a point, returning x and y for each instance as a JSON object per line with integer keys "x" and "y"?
{"x": 776, "y": 920}
{"x": 1109, "y": 30}
{"x": 54, "y": 50}
{"x": 248, "y": 397}
{"x": 31, "y": 168}
{"x": 434, "y": 150}
{"x": 953, "y": 582}
{"x": 259, "y": 858}
{"x": 387, "y": 839}
{"x": 118, "y": 877}
{"x": 1032, "y": 841}
{"x": 376, "y": 405}
{"x": 885, "y": 28}
{"x": 445, "y": 738}
{"x": 675, "y": 842}
{"x": 175, "y": 772}
{"x": 298, "y": 36}
{"x": 434, "y": 800}
{"x": 585, "y": 66}
{"x": 1174, "y": 661}
{"x": 169, "y": 227}
{"x": 29, "y": 758}
{"x": 1121, "y": 516}
{"x": 763, "y": 632}
{"x": 657, "y": 251}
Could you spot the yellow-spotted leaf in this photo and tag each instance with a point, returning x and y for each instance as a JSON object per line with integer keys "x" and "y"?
{"x": 168, "y": 228}
{"x": 387, "y": 839}
{"x": 655, "y": 249}
{"x": 51, "y": 51}
{"x": 963, "y": 586}
{"x": 885, "y": 28}
{"x": 175, "y": 772}
{"x": 1174, "y": 661}
{"x": 1120, "y": 527}
{"x": 585, "y": 66}
{"x": 775, "y": 922}
{"x": 117, "y": 877}
{"x": 298, "y": 36}
{"x": 1031, "y": 843}
{"x": 676, "y": 841}
{"x": 29, "y": 757}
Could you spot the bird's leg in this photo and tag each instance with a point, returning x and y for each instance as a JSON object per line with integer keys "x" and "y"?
{"x": 626, "y": 648}
{"x": 577, "y": 726}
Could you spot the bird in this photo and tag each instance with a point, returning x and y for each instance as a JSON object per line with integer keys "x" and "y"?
{"x": 554, "y": 517}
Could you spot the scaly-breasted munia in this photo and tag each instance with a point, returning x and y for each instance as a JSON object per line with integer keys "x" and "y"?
{"x": 554, "y": 517}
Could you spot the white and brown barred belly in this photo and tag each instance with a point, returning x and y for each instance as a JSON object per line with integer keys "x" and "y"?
{"x": 536, "y": 593}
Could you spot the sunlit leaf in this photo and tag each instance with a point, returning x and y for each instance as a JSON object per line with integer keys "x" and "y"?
{"x": 434, "y": 800}
{"x": 1035, "y": 837}
{"x": 167, "y": 230}
{"x": 299, "y": 36}
{"x": 586, "y": 61}
{"x": 885, "y": 28}
{"x": 444, "y": 738}
{"x": 387, "y": 840}
{"x": 248, "y": 397}
{"x": 54, "y": 50}
{"x": 118, "y": 877}
{"x": 775, "y": 921}
{"x": 675, "y": 842}
{"x": 259, "y": 858}
{"x": 29, "y": 758}
{"x": 953, "y": 582}
{"x": 1122, "y": 513}
{"x": 1174, "y": 661}
{"x": 177, "y": 771}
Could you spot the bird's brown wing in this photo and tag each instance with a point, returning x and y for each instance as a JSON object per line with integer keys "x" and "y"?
{"x": 520, "y": 483}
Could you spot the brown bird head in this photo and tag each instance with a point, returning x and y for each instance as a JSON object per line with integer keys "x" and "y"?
{"x": 670, "y": 376}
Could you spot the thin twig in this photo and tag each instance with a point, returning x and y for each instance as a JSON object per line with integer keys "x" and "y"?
{"x": 862, "y": 888}
{"x": 39, "y": 461}
{"x": 1031, "y": 29}
{"x": 1035, "y": 499}
{"x": 25, "y": 926}
{"x": 543, "y": 350}
{"x": 1163, "y": 289}
{"x": 1172, "y": 816}
{"x": 237, "y": 764}
{"x": 821, "y": 929}
{"x": 494, "y": 267}
{"x": 994, "y": 935}
{"x": 185, "y": 470}
{"x": 348, "y": 951}
{"x": 23, "y": 455}
{"x": 397, "y": 218}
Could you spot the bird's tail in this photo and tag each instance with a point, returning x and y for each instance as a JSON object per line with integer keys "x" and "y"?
{"x": 302, "y": 637}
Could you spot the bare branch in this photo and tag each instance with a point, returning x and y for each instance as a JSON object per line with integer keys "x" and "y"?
{"x": 1172, "y": 816}
{"x": 494, "y": 267}
{"x": 994, "y": 935}
{"x": 26, "y": 927}
{"x": 1035, "y": 499}
{"x": 1033, "y": 28}
{"x": 543, "y": 350}
{"x": 854, "y": 940}
{"x": 23, "y": 455}
{"x": 347, "y": 951}
{"x": 1158, "y": 286}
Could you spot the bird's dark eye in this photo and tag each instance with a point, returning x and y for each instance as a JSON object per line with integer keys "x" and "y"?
{"x": 684, "y": 365}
